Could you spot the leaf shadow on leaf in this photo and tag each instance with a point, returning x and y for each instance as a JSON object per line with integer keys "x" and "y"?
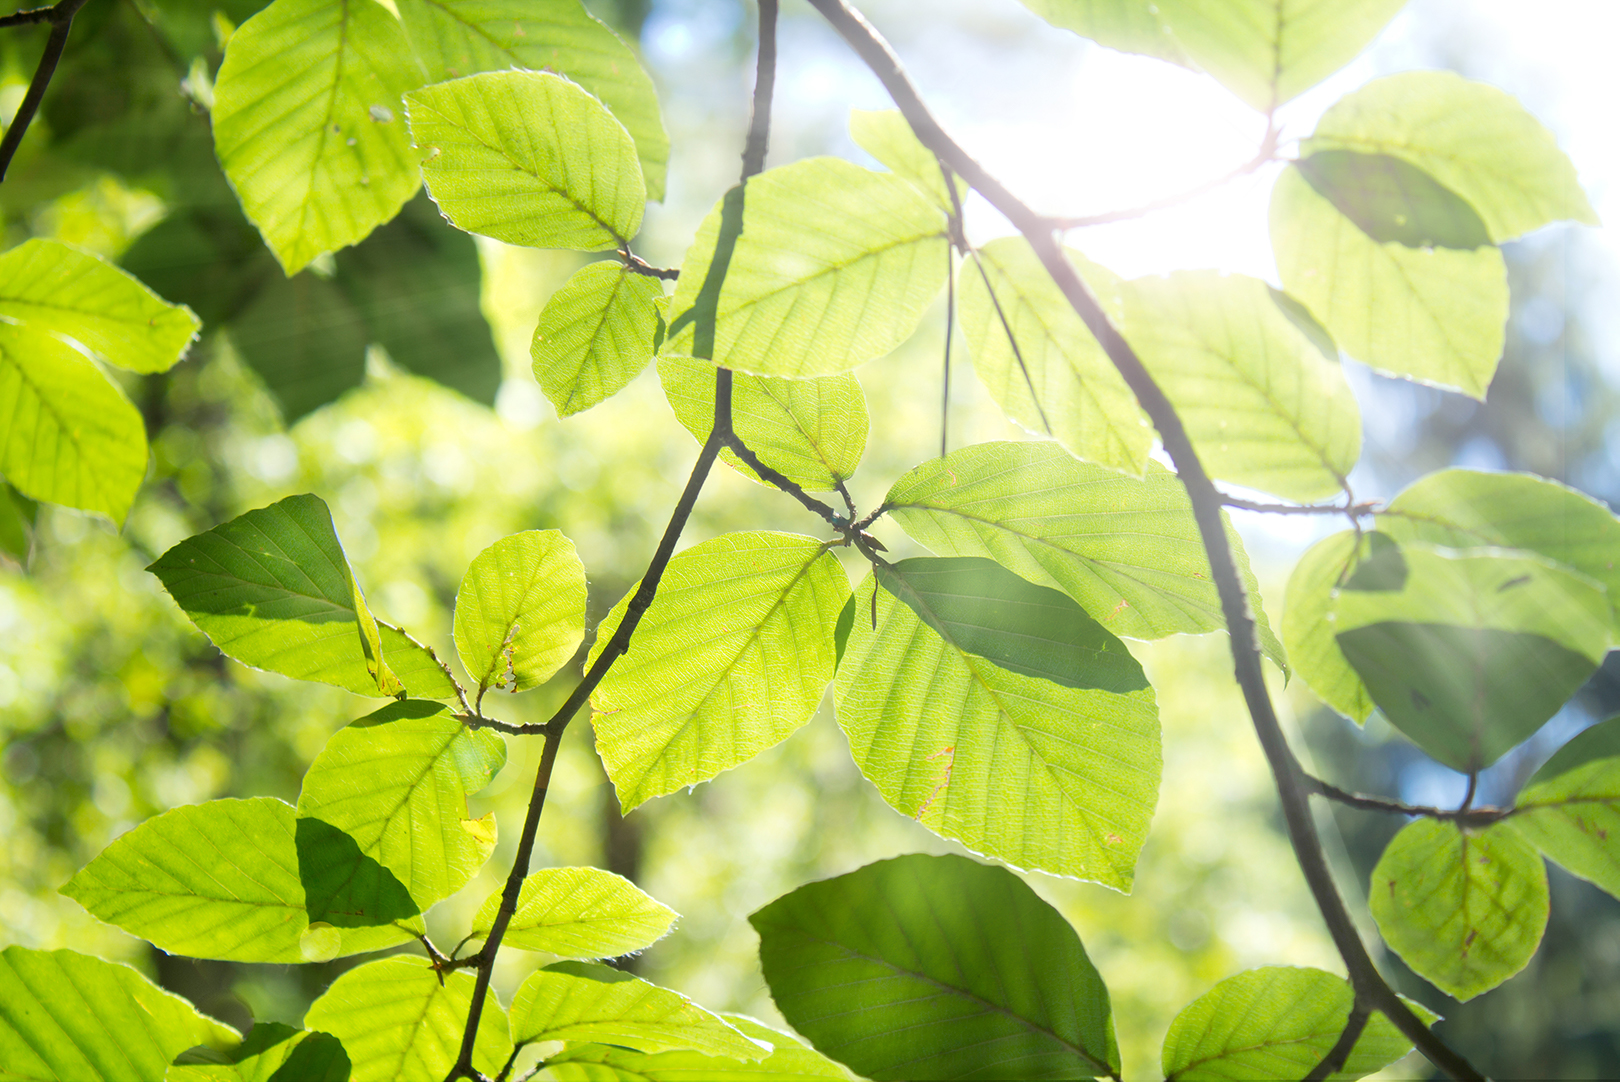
{"x": 343, "y": 886}
{"x": 1393, "y": 200}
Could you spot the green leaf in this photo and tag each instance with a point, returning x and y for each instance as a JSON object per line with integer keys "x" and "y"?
{"x": 1264, "y": 407}
{"x": 1570, "y": 809}
{"x": 1267, "y": 52}
{"x": 273, "y": 590}
{"x": 1471, "y": 509}
{"x": 241, "y": 881}
{"x": 17, "y": 515}
{"x": 460, "y": 37}
{"x": 272, "y": 1052}
{"x": 987, "y": 610}
{"x": 579, "y": 913}
{"x": 528, "y": 158}
{"x": 68, "y": 435}
{"x": 731, "y": 658}
{"x": 307, "y": 126}
{"x": 69, "y": 1017}
{"x": 520, "y": 612}
{"x": 400, "y": 1023}
{"x": 887, "y": 136}
{"x": 1276, "y": 1022}
{"x": 397, "y": 782}
{"x": 595, "y": 335}
{"x": 577, "y": 1001}
{"x": 1058, "y": 380}
{"x": 1469, "y": 654}
{"x": 1464, "y": 909}
{"x": 53, "y": 288}
{"x": 1392, "y": 200}
{"x": 835, "y": 266}
{"x": 1127, "y": 550}
{"x": 1307, "y": 627}
{"x": 789, "y": 1061}
{"x": 1013, "y": 766}
{"x": 937, "y": 967}
{"x": 306, "y": 338}
{"x": 1474, "y": 139}
{"x": 1430, "y": 314}
{"x": 812, "y": 431}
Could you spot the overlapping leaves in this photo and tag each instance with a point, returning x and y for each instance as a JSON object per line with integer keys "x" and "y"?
{"x": 1570, "y": 809}
{"x": 579, "y": 913}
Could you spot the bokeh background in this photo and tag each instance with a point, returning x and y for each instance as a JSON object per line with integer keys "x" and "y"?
{"x": 112, "y": 708}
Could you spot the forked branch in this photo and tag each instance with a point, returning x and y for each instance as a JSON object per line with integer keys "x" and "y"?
{"x": 60, "y": 18}
{"x": 1370, "y": 987}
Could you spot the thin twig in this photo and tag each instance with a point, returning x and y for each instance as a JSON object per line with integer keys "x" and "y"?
{"x": 636, "y": 265}
{"x": 950, "y": 320}
{"x": 1353, "y": 510}
{"x": 60, "y": 16}
{"x": 1018, "y": 354}
{"x": 1333, "y": 1062}
{"x": 1369, "y": 984}
{"x": 1464, "y": 816}
{"x": 735, "y": 444}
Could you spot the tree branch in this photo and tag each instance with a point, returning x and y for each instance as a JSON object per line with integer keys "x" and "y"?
{"x": 1333, "y": 1062}
{"x": 1464, "y": 816}
{"x": 1206, "y": 501}
{"x": 1351, "y": 510}
{"x": 60, "y": 16}
{"x": 636, "y": 265}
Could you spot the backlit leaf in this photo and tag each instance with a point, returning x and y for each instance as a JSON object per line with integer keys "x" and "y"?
{"x": 461, "y": 37}
{"x": 1014, "y": 766}
{"x": 579, "y": 913}
{"x": 835, "y": 266}
{"x": 520, "y": 612}
{"x": 399, "y": 1023}
{"x": 242, "y": 881}
{"x": 1431, "y": 314}
{"x": 937, "y": 967}
{"x": 1264, "y": 407}
{"x": 1465, "y": 909}
{"x": 397, "y": 782}
{"x": 731, "y": 658}
{"x": 1058, "y": 379}
{"x": 812, "y": 431}
{"x": 577, "y": 1001}
{"x": 1393, "y": 200}
{"x": 886, "y": 136}
{"x": 1307, "y": 627}
{"x": 307, "y": 125}
{"x": 595, "y": 335}
{"x": 69, "y": 1017}
{"x": 528, "y": 158}
{"x": 1570, "y": 809}
{"x": 1127, "y": 550}
{"x": 788, "y": 1062}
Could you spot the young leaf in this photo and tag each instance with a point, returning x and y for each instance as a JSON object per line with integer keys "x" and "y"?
{"x": 240, "y": 880}
{"x": 1430, "y": 314}
{"x": 1262, "y": 404}
{"x": 1570, "y": 809}
{"x": 1058, "y": 379}
{"x": 835, "y": 267}
{"x": 67, "y": 1016}
{"x": 273, "y": 590}
{"x": 69, "y": 435}
{"x": 1474, "y": 139}
{"x": 962, "y": 972}
{"x": 460, "y": 37}
{"x": 886, "y": 136}
{"x": 63, "y": 291}
{"x": 731, "y": 658}
{"x": 1471, "y": 509}
{"x": 397, "y": 782}
{"x": 1276, "y": 1022}
{"x": 399, "y": 1021}
{"x": 1014, "y": 766}
{"x": 1267, "y": 52}
{"x": 528, "y": 158}
{"x": 579, "y": 913}
{"x": 272, "y": 1052}
{"x": 520, "y": 612}
{"x": 1127, "y": 550}
{"x": 1464, "y": 909}
{"x": 1307, "y": 627}
{"x": 577, "y": 1001}
{"x": 306, "y": 123}
{"x": 789, "y": 1060}
{"x": 595, "y": 335}
{"x": 812, "y": 431}
{"x": 1469, "y": 654}
{"x": 1035, "y": 630}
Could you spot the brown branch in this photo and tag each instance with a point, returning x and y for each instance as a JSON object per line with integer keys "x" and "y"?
{"x": 1465, "y": 816}
{"x": 636, "y": 265}
{"x": 60, "y": 17}
{"x": 1353, "y": 510}
{"x": 1369, "y": 984}
{"x": 1333, "y": 1062}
